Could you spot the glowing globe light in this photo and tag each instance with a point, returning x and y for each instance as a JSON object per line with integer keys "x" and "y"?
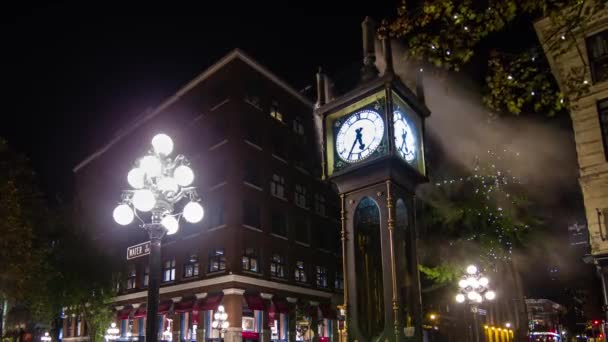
{"x": 473, "y": 282}
{"x": 220, "y": 308}
{"x": 490, "y": 295}
{"x": 225, "y": 325}
{"x": 151, "y": 166}
{"x": 214, "y": 324}
{"x": 472, "y": 269}
{"x": 135, "y": 178}
{"x": 167, "y": 184}
{"x": 170, "y": 223}
{"x": 162, "y": 144}
{"x": 46, "y": 337}
{"x": 463, "y": 283}
{"x": 183, "y": 175}
{"x": 472, "y": 295}
{"x": 193, "y": 212}
{"x": 144, "y": 200}
{"x": 508, "y": 325}
{"x": 460, "y": 298}
{"x": 224, "y": 316}
{"x": 216, "y": 316}
{"x": 123, "y": 214}
{"x": 483, "y": 281}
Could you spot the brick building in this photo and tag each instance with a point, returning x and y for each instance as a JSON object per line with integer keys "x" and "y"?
{"x": 268, "y": 246}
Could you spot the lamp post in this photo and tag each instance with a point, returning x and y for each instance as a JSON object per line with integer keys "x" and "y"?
{"x": 220, "y": 321}
{"x": 112, "y": 332}
{"x": 159, "y": 184}
{"x": 473, "y": 289}
{"x": 46, "y": 337}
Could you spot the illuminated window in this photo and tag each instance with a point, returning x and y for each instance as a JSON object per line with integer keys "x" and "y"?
{"x": 298, "y": 126}
{"x": 320, "y": 204}
{"x": 250, "y": 260}
{"x": 277, "y": 186}
{"x": 300, "y": 272}
{"x": 321, "y": 276}
{"x": 169, "y": 270}
{"x": 597, "y": 47}
{"x": 191, "y": 266}
{"x": 274, "y": 111}
{"x": 300, "y": 196}
{"x": 217, "y": 260}
{"x": 131, "y": 276}
{"x": 277, "y": 266}
{"x": 602, "y": 107}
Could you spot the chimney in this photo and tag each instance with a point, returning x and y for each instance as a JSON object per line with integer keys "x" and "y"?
{"x": 369, "y": 70}
{"x": 320, "y": 89}
{"x": 420, "y": 84}
{"x": 329, "y": 88}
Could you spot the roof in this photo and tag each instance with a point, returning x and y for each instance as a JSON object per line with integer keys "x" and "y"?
{"x": 233, "y": 55}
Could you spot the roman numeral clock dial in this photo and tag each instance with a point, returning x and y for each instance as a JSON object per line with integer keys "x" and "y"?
{"x": 359, "y": 136}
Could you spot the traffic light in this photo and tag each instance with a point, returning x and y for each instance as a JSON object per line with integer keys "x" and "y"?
{"x": 596, "y": 322}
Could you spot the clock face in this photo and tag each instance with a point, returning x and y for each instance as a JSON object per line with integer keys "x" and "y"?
{"x": 405, "y": 138}
{"x": 359, "y": 136}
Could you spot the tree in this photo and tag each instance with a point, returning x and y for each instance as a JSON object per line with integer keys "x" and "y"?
{"x": 449, "y": 33}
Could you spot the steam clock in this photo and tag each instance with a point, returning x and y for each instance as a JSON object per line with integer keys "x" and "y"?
{"x": 373, "y": 150}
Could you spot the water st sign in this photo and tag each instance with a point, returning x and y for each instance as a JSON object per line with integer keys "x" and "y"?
{"x": 138, "y": 250}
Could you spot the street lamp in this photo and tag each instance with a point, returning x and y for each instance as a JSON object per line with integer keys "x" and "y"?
{"x": 112, "y": 332}
{"x": 220, "y": 321}
{"x": 46, "y": 337}
{"x": 160, "y": 184}
{"x": 474, "y": 288}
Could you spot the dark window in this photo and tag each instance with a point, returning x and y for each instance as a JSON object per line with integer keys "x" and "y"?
{"x": 251, "y": 214}
{"x": 146, "y": 276}
{"x": 339, "y": 281}
{"x": 300, "y": 272}
{"x": 298, "y": 126}
{"x": 217, "y": 260}
{"x": 300, "y": 196}
{"x": 252, "y": 173}
{"x": 279, "y": 223}
{"x": 597, "y": 46}
{"x": 219, "y": 130}
{"x": 302, "y": 226}
{"x": 277, "y": 186}
{"x": 320, "y": 204}
{"x": 323, "y": 237}
{"x": 250, "y": 260}
{"x": 279, "y": 146}
{"x": 131, "y": 276}
{"x": 275, "y": 113}
{"x": 191, "y": 266}
{"x": 277, "y": 266}
{"x": 253, "y": 133}
{"x": 603, "y": 113}
{"x": 169, "y": 270}
{"x": 217, "y": 215}
{"x": 321, "y": 276}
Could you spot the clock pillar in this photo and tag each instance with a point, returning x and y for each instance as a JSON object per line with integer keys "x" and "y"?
{"x": 372, "y": 149}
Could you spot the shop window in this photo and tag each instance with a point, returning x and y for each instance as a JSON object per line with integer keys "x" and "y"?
{"x": 321, "y": 276}
{"x": 277, "y": 266}
{"x": 217, "y": 260}
{"x": 191, "y": 266}
{"x": 300, "y": 272}
{"x": 250, "y": 260}
{"x": 169, "y": 270}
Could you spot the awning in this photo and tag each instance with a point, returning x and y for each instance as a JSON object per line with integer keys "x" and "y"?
{"x": 164, "y": 307}
{"x": 211, "y": 302}
{"x": 255, "y": 302}
{"x": 184, "y": 305}
{"x": 281, "y": 306}
{"x": 327, "y": 311}
{"x": 140, "y": 312}
{"x": 124, "y": 313}
{"x": 250, "y": 335}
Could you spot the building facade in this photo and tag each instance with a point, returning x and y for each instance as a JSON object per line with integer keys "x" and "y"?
{"x": 545, "y": 318}
{"x": 268, "y": 247}
{"x": 586, "y": 53}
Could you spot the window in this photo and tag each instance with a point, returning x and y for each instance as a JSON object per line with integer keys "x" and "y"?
{"x": 191, "y": 266}
{"x": 279, "y": 146}
{"x": 131, "y": 276}
{"x": 597, "y": 47}
{"x": 602, "y": 108}
{"x": 300, "y": 272}
{"x": 274, "y": 111}
{"x": 219, "y": 130}
{"x": 321, "y": 276}
{"x": 252, "y": 173}
{"x": 277, "y": 266}
{"x": 277, "y": 186}
{"x": 217, "y": 260}
{"x": 146, "y": 276}
{"x": 253, "y": 132}
{"x": 300, "y": 196}
{"x": 216, "y": 217}
{"x": 250, "y": 260}
{"x": 169, "y": 270}
{"x": 302, "y": 226}
{"x": 298, "y": 126}
{"x": 339, "y": 280}
{"x": 320, "y": 204}
{"x": 251, "y": 214}
{"x": 279, "y": 223}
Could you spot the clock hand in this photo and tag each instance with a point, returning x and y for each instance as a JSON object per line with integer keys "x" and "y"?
{"x": 359, "y": 138}
{"x": 351, "y": 149}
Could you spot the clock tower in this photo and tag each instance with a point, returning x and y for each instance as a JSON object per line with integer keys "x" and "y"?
{"x": 372, "y": 149}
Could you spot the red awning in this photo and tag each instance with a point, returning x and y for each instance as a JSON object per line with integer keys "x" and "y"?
{"x": 124, "y": 313}
{"x": 140, "y": 312}
{"x": 184, "y": 305}
{"x": 164, "y": 307}
{"x": 211, "y": 302}
{"x": 327, "y": 311}
{"x": 251, "y": 335}
{"x": 280, "y": 306}
{"x": 255, "y": 302}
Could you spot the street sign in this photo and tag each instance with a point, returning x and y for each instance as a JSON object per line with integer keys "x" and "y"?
{"x": 138, "y": 250}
